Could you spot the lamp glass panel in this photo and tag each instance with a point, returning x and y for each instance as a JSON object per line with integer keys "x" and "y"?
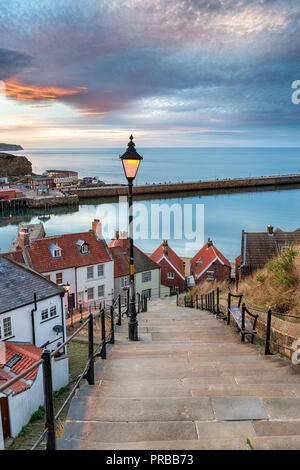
{"x": 131, "y": 167}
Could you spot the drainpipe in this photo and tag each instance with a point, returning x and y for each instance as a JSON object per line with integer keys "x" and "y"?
{"x": 76, "y": 293}
{"x": 32, "y": 318}
{"x": 62, "y": 296}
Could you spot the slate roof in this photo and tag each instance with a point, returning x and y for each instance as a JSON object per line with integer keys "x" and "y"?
{"x": 259, "y": 247}
{"x": 172, "y": 258}
{"x": 207, "y": 255}
{"x": 142, "y": 262}
{"x": 42, "y": 261}
{"x": 18, "y": 284}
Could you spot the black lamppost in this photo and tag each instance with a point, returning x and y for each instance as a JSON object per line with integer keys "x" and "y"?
{"x": 131, "y": 161}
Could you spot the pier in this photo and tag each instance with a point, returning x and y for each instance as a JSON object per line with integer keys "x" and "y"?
{"x": 251, "y": 183}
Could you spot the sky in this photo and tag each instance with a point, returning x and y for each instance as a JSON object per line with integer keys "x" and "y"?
{"x": 180, "y": 73}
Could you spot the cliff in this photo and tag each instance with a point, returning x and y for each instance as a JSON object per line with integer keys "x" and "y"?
{"x": 10, "y": 147}
{"x": 11, "y": 165}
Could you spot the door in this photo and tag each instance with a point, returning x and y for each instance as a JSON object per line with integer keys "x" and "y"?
{"x": 5, "y": 417}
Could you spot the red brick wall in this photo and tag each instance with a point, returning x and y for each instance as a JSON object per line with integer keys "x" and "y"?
{"x": 221, "y": 272}
{"x": 177, "y": 281}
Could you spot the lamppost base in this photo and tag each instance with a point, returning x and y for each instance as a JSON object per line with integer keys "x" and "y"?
{"x": 133, "y": 330}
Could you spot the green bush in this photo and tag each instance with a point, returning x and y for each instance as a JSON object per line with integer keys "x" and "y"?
{"x": 38, "y": 415}
{"x": 260, "y": 277}
{"x": 281, "y": 268}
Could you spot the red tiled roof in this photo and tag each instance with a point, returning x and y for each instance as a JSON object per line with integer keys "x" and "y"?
{"x": 238, "y": 260}
{"x": 42, "y": 261}
{"x": 17, "y": 256}
{"x": 114, "y": 243}
{"x": 17, "y": 387}
{"x": 206, "y": 255}
{"x": 121, "y": 261}
{"x": 29, "y": 355}
{"x": 172, "y": 258}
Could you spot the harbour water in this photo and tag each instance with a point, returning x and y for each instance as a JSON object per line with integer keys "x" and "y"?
{"x": 225, "y": 215}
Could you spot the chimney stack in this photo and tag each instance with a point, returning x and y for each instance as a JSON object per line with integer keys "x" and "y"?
{"x": 23, "y": 239}
{"x": 97, "y": 228}
{"x": 117, "y": 235}
{"x": 124, "y": 241}
{"x": 209, "y": 242}
{"x": 270, "y": 229}
{"x": 165, "y": 247}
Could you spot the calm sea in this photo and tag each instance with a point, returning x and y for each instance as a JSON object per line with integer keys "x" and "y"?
{"x": 225, "y": 215}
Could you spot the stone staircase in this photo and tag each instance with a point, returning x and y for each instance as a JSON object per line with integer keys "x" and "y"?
{"x": 189, "y": 383}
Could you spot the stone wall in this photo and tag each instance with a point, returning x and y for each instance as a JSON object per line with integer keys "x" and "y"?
{"x": 49, "y": 201}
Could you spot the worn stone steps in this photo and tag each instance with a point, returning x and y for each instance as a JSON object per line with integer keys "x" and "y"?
{"x": 189, "y": 383}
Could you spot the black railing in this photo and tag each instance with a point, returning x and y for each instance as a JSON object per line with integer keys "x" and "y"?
{"x": 106, "y": 316}
{"x": 211, "y": 302}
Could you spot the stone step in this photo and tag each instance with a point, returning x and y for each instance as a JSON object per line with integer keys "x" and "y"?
{"x": 236, "y": 443}
{"x": 140, "y": 409}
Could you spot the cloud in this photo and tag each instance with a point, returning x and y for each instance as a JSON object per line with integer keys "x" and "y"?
{"x": 155, "y": 61}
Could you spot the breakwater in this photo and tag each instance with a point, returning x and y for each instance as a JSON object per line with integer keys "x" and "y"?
{"x": 196, "y": 186}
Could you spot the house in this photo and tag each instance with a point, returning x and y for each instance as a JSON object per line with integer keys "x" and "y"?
{"x": 257, "y": 248}
{"x": 10, "y": 193}
{"x": 172, "y": 267}
{"x": 147, "y": 272}
{"x": 20, "y": 400}
{"x": 32, "y": 317}
{"x": 63, "y": 178}
{"x": 81, "y": 260}
{"x": 209, "y": 264}
{"x": 36, "y": 181}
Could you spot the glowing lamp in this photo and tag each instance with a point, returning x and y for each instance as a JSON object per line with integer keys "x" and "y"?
{"x": 67, "y": 287}
{"x": 131, "y": 160}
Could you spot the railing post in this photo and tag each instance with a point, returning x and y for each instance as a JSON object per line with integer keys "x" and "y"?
{"x": 146, "y": 300}
{"x": 228, "y": 309}
{"x": 197, "y": 301}
{"x": 48, "y": 397}
{"x": 177, "y": 299}
{"x": 185, "y": 300}
{"x": 268, "y": 333}
{"x": 119, "y": 311}
{"x": 213, "y": 301}
{"x": 218, "y": 301}
{"x": 90, "y": 373}
{"x": 201, "y": 301}
{"x": 191, "y": 302}
{"x": 112, "y": 326}
{"x": 103, "y": 350}
{"x": 243, "y": 322}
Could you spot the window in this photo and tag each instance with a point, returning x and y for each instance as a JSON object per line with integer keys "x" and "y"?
{"x": 44, "y": 314}
{"x": 53, "y": 311}
{"x": 146, "y": 293}
{"x": 85, "y": 248}
{"x": 59, "y": 278}
{"x": 198, "y": 263}
{"x": 100, "y": 270}
{"x": 13, "y": 360}
{"x": 48, "y": 277}
{"x": 100, "y": 291}
{"x": 210, "y": 275}
{"x": 170, "y": 275}
{"x": 7, "y": 327}
{"x": 146, "y": 277}
{"x": 90, "y": 272}
{"x": 125, "y": 281}
{"x": 90, "y": 293}
{"x": 56, "y": 253}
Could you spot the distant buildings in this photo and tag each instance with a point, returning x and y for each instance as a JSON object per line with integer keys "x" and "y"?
{"x": 54, "y": 179}
{"x": 257, "y": 248}
{"x": 147, "y": 272}
{"x": 172, "y": 267}
{"x": 209, "y": 264}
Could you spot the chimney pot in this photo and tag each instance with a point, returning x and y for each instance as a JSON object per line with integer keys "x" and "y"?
{"x": 209, "y": 242}
{"x": 270, "y": 229}
{"x": 97, "y": 228}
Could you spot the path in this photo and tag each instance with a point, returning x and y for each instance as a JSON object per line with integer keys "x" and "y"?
{"x": 188, "y": 384}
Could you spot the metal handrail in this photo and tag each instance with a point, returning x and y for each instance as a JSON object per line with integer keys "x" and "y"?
{"x": 87, "y": 373}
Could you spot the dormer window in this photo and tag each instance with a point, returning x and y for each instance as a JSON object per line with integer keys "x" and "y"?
{"x": 83, "y": 247}
{"x": 198, "y": 263}
{"x": 55, "y": 250}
